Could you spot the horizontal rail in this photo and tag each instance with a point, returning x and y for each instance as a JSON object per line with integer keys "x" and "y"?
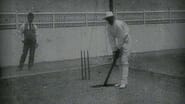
{"x": 53, "y": 13}
{"x": 146, "y": 11}
{"x": 7, "y": 23}
{"x": 92, "y": 18}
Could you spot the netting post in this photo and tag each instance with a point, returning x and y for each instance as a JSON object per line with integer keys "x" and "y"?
{"x": 16, "y": 20}
{"x": 111, "y": 8}
{"x": 53, "y": 19}
{"x": 144, "y": 17}
{"x": 170, "y": 16}
{"x": 86, "y": 21}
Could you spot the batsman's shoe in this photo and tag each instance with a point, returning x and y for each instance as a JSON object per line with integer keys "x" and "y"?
{"x": 20, "y": 68}
{"x": 117, "y": 85}
{"x": 122, "y": 86}
{"x": 30, "y": 67}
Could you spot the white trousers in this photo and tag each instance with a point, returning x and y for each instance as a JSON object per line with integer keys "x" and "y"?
{"x": 124, "y": 65}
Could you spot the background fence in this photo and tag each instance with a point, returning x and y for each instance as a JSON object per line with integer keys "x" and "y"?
{"x": 13, "y": 20}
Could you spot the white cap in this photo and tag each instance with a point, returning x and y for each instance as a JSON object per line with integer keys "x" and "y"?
{"x": 108, "y": 14}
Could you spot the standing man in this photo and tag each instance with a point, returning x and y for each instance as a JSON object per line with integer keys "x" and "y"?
{"x": 118, "y": 33}
{"x": 28, "y": 32}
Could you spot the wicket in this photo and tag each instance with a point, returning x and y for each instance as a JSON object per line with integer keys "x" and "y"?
{"x": 85, "y": 68}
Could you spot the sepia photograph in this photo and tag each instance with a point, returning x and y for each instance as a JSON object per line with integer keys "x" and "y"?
{"x": 92, "y": 52}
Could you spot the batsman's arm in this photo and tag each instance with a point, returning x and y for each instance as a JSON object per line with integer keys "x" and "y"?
{"x": 37, "y": 35}
{"x": 20, "y": 33}
{"x": 123, "y": 32}
{"x": 112, "y": 41}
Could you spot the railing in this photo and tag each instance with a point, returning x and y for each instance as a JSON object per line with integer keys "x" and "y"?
{"x": 13, "y": 20}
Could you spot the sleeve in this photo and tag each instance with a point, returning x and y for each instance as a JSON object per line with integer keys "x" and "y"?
{"x": 20, "y": 31}
{"x": 123, "y": 31}
{"x": 112, "y": 41}
{"x": 36, "y": 32}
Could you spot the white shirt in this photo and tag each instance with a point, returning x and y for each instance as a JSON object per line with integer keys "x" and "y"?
{"x": 118, "y": 31}
{"x": 22, "y": 28}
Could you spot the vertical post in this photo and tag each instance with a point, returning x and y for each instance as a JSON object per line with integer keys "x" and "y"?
{"x": 170, "y": 16}
{"x": 89, "y": 73}
{"x": 143, "y": 16}
{"x": 53, "y": 17}
{"x": 86, "y": 21}
{"x": 16, "y": 20}
{"x": 116, "y": 14}
{"x": 82, "y": 70}
{"x": 85, "y": 68}
{"x": 111, "y": 8}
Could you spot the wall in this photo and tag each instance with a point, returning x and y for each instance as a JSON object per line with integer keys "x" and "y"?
{"x": 157, "y": 37}
{"x": 55, "y": 44}
{"x": 66, "y": 43}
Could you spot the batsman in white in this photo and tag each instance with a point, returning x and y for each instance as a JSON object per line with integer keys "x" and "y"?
{"x": 119, "y": 38}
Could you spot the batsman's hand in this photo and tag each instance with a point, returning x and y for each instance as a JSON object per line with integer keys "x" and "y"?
{"x": 116, "y": 53}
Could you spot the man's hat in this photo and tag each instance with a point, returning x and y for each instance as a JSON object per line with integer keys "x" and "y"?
{"x": 108, "y": 14}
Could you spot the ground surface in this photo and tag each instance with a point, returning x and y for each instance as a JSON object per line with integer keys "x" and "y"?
{"x": 164, "y": 85}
